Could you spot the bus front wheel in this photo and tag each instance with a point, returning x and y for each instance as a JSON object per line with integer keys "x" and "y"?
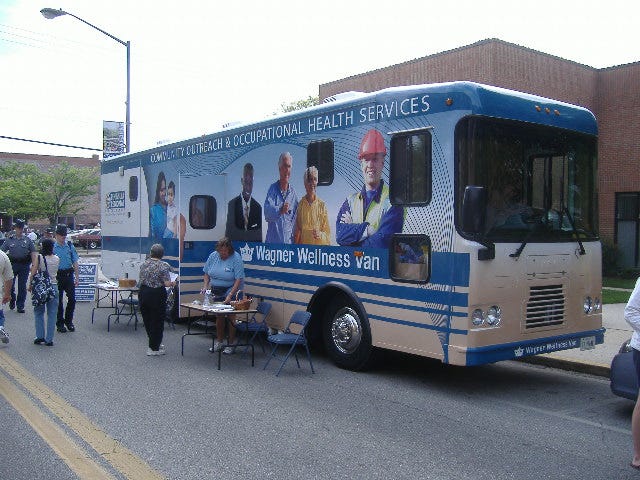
{"x": 347, "y": 337}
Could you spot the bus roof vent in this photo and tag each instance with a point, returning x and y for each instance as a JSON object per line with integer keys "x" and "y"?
{"x": 343, "y": 96}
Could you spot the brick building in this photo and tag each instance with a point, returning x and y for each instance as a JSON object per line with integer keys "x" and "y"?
{"x": 89, "y": 214}
{"x": 612, "y": 94}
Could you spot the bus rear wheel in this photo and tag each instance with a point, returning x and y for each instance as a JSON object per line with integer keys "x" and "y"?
{"x": 347, "y": 337}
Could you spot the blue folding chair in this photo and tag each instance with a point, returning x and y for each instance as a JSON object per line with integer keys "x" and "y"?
{"x": 300, "y": 318}
{"x": 256, "y": 325}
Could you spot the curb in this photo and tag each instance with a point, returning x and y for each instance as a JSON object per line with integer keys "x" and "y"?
{"x": 570, "y": 365}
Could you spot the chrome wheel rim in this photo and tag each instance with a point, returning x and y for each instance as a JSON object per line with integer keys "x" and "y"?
{"x": 346, "y": 330}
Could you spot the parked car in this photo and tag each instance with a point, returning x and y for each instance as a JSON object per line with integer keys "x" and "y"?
{"x": 91, "y": 238}
{"x": 624, "y": 381}
{"x": 73, "y": 233}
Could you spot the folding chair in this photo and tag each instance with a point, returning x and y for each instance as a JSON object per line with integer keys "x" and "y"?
{"x": 129, "y": 303}
{"x": 256, "y": 326}
{"x": 300, "y": 318}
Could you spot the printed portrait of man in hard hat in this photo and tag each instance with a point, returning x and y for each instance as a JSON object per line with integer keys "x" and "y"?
{"x": 367, "y": 217}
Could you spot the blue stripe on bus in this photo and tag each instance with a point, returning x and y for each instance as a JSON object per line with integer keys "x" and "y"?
{"x": 509, "y": 351}
{"x": 445, "y": 310}
{"x": 426, "y": 326}
{"x": 446, "y": 268}
{"x": 397, "y": 293}
{"x": 135, "y": 245}
{"x": 389, "y": 320}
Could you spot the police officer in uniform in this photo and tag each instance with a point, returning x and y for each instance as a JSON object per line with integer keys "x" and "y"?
{"x": 67, "y": 279}
{"x": 21, "y": 252}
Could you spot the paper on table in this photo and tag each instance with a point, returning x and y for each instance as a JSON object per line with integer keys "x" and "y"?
{"x": 221, "y": 306}
{"x": 173, "y": 276}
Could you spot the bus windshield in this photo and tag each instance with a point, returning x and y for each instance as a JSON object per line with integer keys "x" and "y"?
{"x": 540, "y": 181}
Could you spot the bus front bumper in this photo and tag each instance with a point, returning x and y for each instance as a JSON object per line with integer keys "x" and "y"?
{"x": 509, "y": 351}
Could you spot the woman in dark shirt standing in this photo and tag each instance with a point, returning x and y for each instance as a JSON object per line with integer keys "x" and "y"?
{"x": 154, "y": 277}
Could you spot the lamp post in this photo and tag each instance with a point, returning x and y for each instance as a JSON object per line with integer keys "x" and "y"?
{"x": 50, "y": 13}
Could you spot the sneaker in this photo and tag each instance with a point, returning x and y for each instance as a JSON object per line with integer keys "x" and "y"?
{"x": 217, "y": 346}
{"x": 162, "y": 347}
{"x": 71, "y": 327}
{"x": 152, "y": 353}
{"x": 4, "y": 336}
{"x": 61, "y": 328}
{"x": 39, "y": 341}
{"x": 12, "y": 304}
{"x": 229, "y": 350}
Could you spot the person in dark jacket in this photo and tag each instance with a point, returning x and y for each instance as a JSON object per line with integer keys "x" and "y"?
{"x": 21, "y": 252}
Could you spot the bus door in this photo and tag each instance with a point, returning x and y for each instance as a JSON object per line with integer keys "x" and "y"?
{"x": 122, "y": 223}
{"x": 202, "y": 205}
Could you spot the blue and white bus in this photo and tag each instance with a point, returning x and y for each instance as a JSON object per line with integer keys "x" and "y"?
{"x": 456, "y": 221}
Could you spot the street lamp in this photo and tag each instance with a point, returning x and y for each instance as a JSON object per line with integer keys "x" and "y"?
{"x": 50, "y": 13}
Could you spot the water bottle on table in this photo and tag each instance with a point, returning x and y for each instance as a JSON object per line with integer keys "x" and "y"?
{"x": 207, "y": 298}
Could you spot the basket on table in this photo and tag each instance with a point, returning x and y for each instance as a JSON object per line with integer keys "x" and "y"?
{"x": 126, "y": 282}
{"x": 241, "y": 304}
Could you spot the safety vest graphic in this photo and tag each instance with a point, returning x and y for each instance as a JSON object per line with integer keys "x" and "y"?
{"x": 375, "y": 211}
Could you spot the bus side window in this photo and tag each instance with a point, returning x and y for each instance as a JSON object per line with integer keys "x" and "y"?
{"x": 133, "y": 188}
{"x": 410, "y": 258}
{"x": 410, "y": 174}
{"x": 202, "y": 212}
{"x": 320, "y": 155}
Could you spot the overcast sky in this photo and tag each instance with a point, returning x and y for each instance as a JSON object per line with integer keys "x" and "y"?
{"x": 196, "y": 64}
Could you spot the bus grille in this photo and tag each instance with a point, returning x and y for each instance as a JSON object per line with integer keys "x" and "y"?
{"x": 545, "y": 307}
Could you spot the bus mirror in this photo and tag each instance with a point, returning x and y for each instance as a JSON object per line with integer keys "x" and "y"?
{"x": 474, "y": 208}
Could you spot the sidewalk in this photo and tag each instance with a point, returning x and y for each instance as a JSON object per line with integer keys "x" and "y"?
{"x": 598, "y": 360}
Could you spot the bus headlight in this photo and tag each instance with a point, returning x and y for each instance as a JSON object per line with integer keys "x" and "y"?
{"x": 477, "y": 317}
{"x": 588, "y": 304}
{"x": 494, "y": 315}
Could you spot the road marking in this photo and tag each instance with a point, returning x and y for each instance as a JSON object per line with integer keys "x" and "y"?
{"x": 112, "y": 451}
{"x": 568, "y": 416}
{"x": 73, "y": 455}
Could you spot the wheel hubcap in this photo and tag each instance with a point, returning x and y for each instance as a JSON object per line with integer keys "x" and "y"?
{"x": 346, "y": 331}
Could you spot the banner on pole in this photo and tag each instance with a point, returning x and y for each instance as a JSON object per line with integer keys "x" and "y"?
{"x": 112, "y": 139}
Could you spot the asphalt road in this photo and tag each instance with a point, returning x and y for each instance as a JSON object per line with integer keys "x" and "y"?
{"x": 183, "y": 419}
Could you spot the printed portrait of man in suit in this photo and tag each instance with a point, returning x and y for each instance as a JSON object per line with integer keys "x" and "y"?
{"x": 244, "y": 215}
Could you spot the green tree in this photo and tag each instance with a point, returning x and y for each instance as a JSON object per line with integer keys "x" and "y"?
{"x": 299, "y": 104}
{"x": 20, "y": 189}
{"x": 66, "y": 188}
{"x": 27, "y": 192}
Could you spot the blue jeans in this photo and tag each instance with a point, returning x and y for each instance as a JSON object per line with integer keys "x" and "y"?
{"x": 1, "y": 318}
{"x": 20, "y": 270}
{"x": 52, "y": 312}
